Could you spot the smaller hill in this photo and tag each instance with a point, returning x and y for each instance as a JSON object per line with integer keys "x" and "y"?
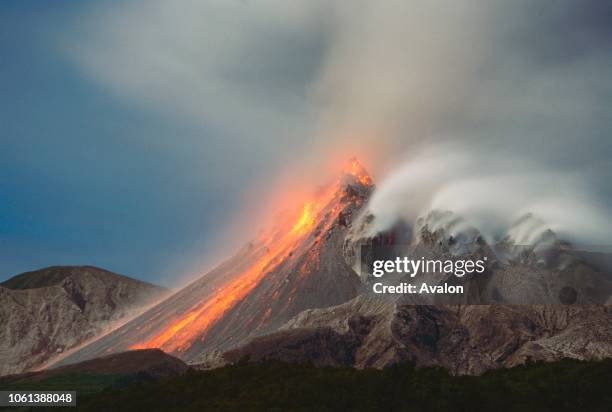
{"x": 47, "y": 312}
{"x": 54, "y": 275}
{"x": 96, "y": 374}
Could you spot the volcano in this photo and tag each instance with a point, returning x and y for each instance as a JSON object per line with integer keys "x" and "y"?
{"x": 298, "y": 292}
{"x": 297, "y": 265}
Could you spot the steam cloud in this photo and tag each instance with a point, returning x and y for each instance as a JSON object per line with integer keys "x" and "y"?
{"x": 488, "y": 108}
{"x": 492, "y": 192}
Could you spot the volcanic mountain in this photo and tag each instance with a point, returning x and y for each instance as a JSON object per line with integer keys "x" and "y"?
{"x": 297, "y": 265}
{"x": 300, "y": 293}
{"x": 49, "y": 311}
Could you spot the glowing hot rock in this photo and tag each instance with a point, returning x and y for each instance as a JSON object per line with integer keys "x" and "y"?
{"x": 194, "y": 323}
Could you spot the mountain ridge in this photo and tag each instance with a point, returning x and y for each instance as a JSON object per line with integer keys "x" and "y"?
{"x": 53, "y": 275}
{"x": 76, "y": 304}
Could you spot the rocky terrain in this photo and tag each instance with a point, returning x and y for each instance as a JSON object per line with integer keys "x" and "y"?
{"x": 469, "y": 339}
{"x": 49, "y": 311}
{"x": 529, "y": 265}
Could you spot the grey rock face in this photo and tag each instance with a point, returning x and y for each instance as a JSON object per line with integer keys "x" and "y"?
{"x": 50, "y": 311}
{"x": 371, "y": 332}
{"x": 529, "y": 266}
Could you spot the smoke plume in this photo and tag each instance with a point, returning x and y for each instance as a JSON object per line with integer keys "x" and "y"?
{"x": 489, "y": 108}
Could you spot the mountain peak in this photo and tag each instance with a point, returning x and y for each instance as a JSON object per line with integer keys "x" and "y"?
{"x": 55, "y": 275}
{"x": 355, "y": 173}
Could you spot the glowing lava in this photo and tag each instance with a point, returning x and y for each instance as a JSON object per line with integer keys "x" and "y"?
{"x": 306, "y": 219}
{"x": 277, "y": 247}
{"x": 194, "y": 323}
{"x": 357, "y": 171}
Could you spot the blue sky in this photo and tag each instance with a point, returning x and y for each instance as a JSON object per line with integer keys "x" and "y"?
{"x": 82, "y": 180}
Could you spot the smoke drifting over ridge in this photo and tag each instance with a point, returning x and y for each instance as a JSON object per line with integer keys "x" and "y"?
{"x": 492, "y": 192}
{"x": 522, "y": 91}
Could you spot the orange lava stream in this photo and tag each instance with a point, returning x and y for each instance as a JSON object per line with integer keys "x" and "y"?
{"x": 194, "y": 324}
{"x": 361, "y": 175}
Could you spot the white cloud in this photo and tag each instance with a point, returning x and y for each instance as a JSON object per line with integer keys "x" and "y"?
{"x": 298, "y": 80}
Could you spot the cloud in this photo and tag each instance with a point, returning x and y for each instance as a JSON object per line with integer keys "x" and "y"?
{"x": 296, "y": 82}
{"x": 210, "y": 60}
{"x": 492, "y": 191}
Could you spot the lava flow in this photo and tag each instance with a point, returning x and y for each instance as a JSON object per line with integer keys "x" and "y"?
{"x": 194, "y": 323}
{"x": 357, "y": 171}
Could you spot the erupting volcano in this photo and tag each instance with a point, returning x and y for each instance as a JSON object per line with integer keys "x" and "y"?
{"x": 294, "y": 266}
{"x": 292, "y": 294}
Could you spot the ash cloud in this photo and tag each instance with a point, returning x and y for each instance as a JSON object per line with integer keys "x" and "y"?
{"x": 521, "y": 91}
{"x": 492, "y": 192}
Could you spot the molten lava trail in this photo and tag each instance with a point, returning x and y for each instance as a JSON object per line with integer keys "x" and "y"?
{"x": 195, "y": 323}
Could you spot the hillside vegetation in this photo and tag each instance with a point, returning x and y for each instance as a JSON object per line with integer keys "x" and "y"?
{"x": 273, "y": 386}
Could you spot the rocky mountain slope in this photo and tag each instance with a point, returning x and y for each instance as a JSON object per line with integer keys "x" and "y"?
{"x": 468, "y": 339}
{"x": 295, "y": 266}
{"x": 46, "y": 312}
{"x": 529, "y": 265}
